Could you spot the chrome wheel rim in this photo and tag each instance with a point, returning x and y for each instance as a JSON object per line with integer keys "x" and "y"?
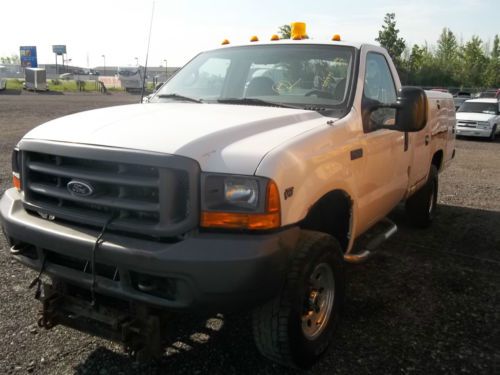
{"x": 318, "y": 301}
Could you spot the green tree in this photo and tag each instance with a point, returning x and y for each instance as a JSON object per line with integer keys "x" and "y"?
{"x": 447, "y": 59}
{"x": 388, "y": 38}
{"x": 492, "y": 74}
{"x": 422, "y": 67}
{"x": 474, "y": 63}
{"x": 285, "y": 32}
{"x": 447, "y": 47}
{"x": 13, "y": 59}
{"x": 495, "y": 52}
{"x": 416, "y": 59}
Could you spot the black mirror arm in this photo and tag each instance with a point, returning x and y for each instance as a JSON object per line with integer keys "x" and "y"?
{"x": 396, "y": 105}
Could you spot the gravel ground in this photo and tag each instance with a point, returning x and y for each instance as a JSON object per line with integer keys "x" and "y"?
{"x": 428, "y": 303}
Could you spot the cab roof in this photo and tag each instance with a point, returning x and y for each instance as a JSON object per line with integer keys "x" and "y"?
{"x": 295, "y": 42}
{"x": 483, "y": 100}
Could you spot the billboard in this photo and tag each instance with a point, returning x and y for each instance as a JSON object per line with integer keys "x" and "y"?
{"x": 28, "y": 56}
{"x": 59, "y": 49}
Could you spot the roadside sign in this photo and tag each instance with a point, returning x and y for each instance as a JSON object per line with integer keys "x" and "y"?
{"x": 28, "y": 56}
{"x": 59, "y": 49}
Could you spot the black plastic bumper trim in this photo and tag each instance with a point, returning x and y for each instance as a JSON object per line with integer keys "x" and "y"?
{"x": 217, "y": 271}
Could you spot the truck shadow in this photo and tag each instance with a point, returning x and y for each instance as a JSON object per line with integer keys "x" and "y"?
{"x": 425, "y": 304}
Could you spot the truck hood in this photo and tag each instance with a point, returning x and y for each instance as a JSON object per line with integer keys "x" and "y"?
{"x": 472, "y": 116}
{"x": 221, "y": 137}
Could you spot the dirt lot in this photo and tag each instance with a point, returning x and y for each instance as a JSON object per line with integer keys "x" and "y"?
{"x": 429, "y": 303}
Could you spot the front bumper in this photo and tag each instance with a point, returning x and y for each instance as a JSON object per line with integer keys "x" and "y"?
{"x": 214, "y": 271}
{"x": 473, "y": 132}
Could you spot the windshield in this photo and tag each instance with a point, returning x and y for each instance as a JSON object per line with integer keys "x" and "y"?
{"x": 308, "y": 76}
{"x": 478, "y": 107}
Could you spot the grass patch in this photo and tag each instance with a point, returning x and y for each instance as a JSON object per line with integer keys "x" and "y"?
{"x": 70, "y": 85}
{"x": 14, "y": 84}
{"x": 61, "y": 85}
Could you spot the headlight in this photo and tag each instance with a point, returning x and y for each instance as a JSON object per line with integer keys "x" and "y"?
{"x": 241, "y": 192}
{"x": 239, "y": 202}
{"x": 483, "y": 124}
{"x": 232, "y": 193}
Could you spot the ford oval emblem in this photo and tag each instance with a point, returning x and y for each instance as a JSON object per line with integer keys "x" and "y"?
{"x": 80, "y": 188}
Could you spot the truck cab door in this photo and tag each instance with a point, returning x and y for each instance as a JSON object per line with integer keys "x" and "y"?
{"x": 421, "y": 145}
{"x": 385, "y": 174}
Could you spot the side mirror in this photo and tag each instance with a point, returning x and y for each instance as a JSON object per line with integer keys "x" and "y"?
{"x": 407, "y": 114}
{"x": 411, "y": 108}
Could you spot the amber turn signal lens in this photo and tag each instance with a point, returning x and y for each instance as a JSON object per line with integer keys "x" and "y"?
{"x": 269, "y": 220}
{"x": 273, "y": 198}
{"x": 16, "y": 182}
{"x": 231, "y": 220}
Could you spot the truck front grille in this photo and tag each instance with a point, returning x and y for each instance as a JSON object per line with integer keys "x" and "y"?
{"x": 467, "y": 124}
{"x": 149, "y": 194}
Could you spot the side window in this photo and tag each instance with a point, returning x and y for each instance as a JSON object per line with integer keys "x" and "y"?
{"x": 379, "y": 86}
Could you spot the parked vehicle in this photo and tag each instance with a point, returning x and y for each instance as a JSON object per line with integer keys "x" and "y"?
{"x": 246, "y": 182}
{"x": 67, "y": 76}
{"x": 479, "y": 118}
{"x": 3, "y": 79}
{"x": 490, "y": 94}
{"x": 458, "y": 101}
{"x": 131, "y": 78}
{"x": 35, "y": 79}
{"x": 460, "y": 97}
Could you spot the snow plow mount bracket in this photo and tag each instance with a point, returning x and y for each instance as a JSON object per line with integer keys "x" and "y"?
{"x": 139, "y": 333}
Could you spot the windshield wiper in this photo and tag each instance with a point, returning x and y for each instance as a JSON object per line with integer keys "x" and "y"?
{"x": 254, "y": 101}
{"x": 179, "y": 97}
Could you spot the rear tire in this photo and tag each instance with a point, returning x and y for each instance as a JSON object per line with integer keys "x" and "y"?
{"x": 421, "y": 206}
{"x": 296, "y": 327}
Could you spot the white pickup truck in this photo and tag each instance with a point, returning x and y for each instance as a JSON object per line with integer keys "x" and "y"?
{"x": 479, "y": 118}
{"x": 247, "y": 181}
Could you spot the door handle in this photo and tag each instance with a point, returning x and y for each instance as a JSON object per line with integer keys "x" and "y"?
{"x": 427, "y": 139}
{"x": 356, "y": 154}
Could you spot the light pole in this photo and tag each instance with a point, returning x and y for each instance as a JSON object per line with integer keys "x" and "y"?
{"x": 166, "y": 72}
{"x": 104, "y": 68}
{"x": 66, "y": 61}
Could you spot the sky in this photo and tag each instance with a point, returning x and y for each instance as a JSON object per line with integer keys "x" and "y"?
{"x": 118, "y": 29}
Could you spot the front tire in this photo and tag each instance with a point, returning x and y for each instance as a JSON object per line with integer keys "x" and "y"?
{"x": 421, "y": 206}
{"x": 492, "y": 136}
{"x": 296, "y": 327}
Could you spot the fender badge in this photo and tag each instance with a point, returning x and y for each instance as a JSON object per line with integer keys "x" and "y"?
{"x": 288, "y": 192}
